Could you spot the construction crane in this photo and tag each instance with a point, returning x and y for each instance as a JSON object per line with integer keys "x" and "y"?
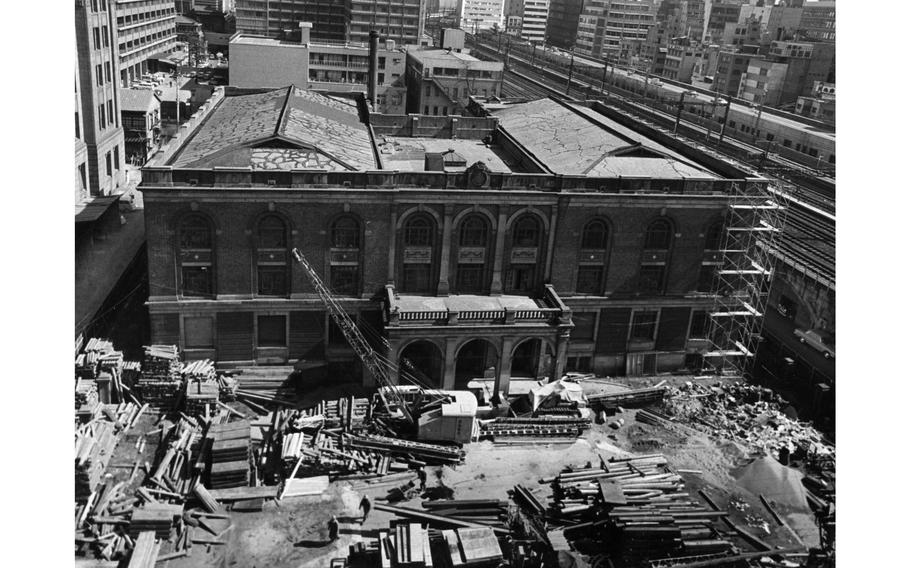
{"x": 377, "y": 368}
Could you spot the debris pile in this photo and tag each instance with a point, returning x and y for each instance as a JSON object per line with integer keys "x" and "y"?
{"x": 747, "y": 413}
{"x": 229, "y": 454}
{"x": 200, "y": 396}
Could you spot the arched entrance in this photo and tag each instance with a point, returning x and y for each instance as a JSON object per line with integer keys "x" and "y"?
{"x": 532, "y": 358}
{"x": 421, "y": 360}
{"x": 473, "y": 360}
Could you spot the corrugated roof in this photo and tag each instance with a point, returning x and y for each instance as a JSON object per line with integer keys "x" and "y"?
{"x": 283, "y": 129}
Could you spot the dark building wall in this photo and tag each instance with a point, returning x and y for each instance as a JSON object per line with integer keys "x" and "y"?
{"x": 562, "y": 22}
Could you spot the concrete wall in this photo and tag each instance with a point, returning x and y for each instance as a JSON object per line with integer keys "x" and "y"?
{"x": 259, "y": 66}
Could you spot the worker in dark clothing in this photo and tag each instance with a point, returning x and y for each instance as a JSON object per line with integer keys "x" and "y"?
{"x": 333, "y": 529}
{"x": 366, "y": 506}
{"x": 422, "y": 477}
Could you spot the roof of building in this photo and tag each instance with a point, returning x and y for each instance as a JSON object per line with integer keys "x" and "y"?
{"x": 94, "y": 207}
{"x": 408, "y": 154}
{"x": 138, "y": 100}
{"x": 436, "y": 55}
{"x": 465, "y": 302}
{"x": 575, "y": 140}
{"x": 184, "y": 20}
{"x": 283, "y": 129}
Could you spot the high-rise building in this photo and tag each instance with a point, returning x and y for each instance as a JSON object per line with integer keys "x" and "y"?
{"x": 817, "y": 22}
{"x": 562, "y": 22}
{"x": 334, "y": 20}
{"x": 477, "y": 15}
{"x": 534, "y": 20}
{"x": 98, "y": 125}
{"x": 721, "y": 13}
{"x": 605, "y": 25}
{"x": 145, "y": 29}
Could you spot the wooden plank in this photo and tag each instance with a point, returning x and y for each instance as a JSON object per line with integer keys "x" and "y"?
{"x": 238, "y": 493}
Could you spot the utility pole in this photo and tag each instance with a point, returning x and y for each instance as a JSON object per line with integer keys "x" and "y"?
{"x": 723, "y": 127}
{"x": 679, "y": 109}
{"x": 571, "y": 68}
{"x": 761, "y": 106}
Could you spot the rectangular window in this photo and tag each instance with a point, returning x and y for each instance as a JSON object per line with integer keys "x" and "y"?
{"x": 435, "y": 111}
{"x": 644, "y": 324}
{"x": 416, "y": 278}
{"x": 426, "y": 109}
{"x": 521, "y": 278}
{"x": 110, "y": 110}
{"x": 107, "y": 71}
{"x": 106, "y": 36}
{"x": 77, "y": 126}
{"x": 344, "y": 280}
{"x": 584, "y": 326}
{"x": 381, "y": 65}
{"x": 589, "y": 279}
{"x": 382, "y": 78}
{"x": 429, "y": 90}
{"x": 787, "y": 143}
{"x": 273, "y": 280}
{"x": 198, "y": 333}
{"x": 272, "y": 331}
{"x": 651, "y": 279}
{"x": 197, "y": 281}
{"x": 699, "y": 326}
{"x": 107, "y": 161}
{"x": 99, "y": 75}
{"x": 96, "y": 35}
{"x": 117, "y": 158}
{"x": 469, "y": 279}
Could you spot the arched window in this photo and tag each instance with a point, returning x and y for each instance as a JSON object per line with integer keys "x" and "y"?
{"x": 419, "y": 237}
{"x": 594, "y": 235}
{"x": 273, "y": 274}
{"x": 471, "y": 274}
{"x": 714, "y": 237}
{"x": 195, "y": 236}
{"x": 523, "y": 272}
{"x": 418, "y": 232}
{"x": 592, "y": 260}
{"x": 473, "y": 232}
{"x": 659, "y": 235}
{"x": 526, "y": 232}
{"x": 346, "y": 233}
{"x": 344, "y": 269}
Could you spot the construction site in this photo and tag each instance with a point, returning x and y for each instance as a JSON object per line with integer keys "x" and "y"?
{"x": 183, "y": 463}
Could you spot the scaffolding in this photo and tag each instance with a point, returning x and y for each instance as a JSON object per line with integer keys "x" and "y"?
{"x": 742, "y": 282}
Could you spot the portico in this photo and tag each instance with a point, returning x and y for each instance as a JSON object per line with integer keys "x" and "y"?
{"x": 444, "y": 341}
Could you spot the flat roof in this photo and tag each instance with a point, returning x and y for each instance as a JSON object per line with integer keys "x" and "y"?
{"x": 91, "y": 209}
{"x": 282, "y": 129}
{"x": 408, "y": 154}
{"x": 138, "y": 100}
{"x": 575, "y": 140}
{"x": 465, "y": 303}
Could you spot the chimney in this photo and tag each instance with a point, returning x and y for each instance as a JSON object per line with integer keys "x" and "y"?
{"x": 373, "y": 78}
{"x": 305, "y": 28}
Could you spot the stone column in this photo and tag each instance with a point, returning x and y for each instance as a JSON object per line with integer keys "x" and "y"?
{"x": 541, "y": 359}
{"x": 393, "y": 355}
{"x": 504, "y": 366}
{"x": 448, "y": 376}
{"x": 443, "y": 288}
{"x": 496, "y": 284}
{"x": 392, "y": 232}
{"x": 551, "y": 241}
{"x": 562, "y": 351}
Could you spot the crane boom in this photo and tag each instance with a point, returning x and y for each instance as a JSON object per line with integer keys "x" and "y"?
{"x": 355, "y": 338}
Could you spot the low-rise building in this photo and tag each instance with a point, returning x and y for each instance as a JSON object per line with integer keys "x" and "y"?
{"x": 441, "y": 81}
{"x": 542, "y": 237}
{"x": 788, "y": 71}
{"x": 820, "y": 105}
{"x": 260, "y": 62}
{"x": 141, "y": 116}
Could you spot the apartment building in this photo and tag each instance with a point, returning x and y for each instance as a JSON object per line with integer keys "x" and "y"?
{"x": 145, "y": 29}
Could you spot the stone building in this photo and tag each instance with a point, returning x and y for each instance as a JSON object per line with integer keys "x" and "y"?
{"x": 536, "y": 238}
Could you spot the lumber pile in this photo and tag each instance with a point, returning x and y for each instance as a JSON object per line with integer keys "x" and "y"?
{"x": 179, "y": 461}
{"x": 638, "y": 508}
{"x": 161, "y": 381}
{"x": 632, "y": 398}
{"x": 490, "y": 512}
{"x": 155, "y": 518}
{"x": 200, "y": 394}
{"x": 95, "y": 443}
{"x": 325, "y": 453}
{"x": 539, "y": 427}
{"x": 86, "y": 394}
{"x": 406, "y": 545}
{"x": 101, "y": 363}
{"x": 472, "y": 547}
{"x": 229, "y": 455}
{"x": 227, "y": 387}
{"x": 202, "y": 370}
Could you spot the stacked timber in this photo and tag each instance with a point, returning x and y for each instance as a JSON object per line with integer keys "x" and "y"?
{"x": 160, "y": 383}
{"x": 487, "y": 511}
{"x": 227, "y": 387}
{"x": 202, "y": 370}
{"x": 145, "y": 553}
{"x": 86, "y": 393}
{"x": 549, "y": 427}
{"x": 268, "y": 389}
{"x": 406, "y": 545}
{"x": 229, "y": 456}
{"x": 179, "y": 463}
{"x": 433, "y": 454}
{"x": 629, "y": 398}
{"x": 95, "y": 445}
{"x": 156, "y": 518}
{"x": 642, "y": 509}
{"x": 200, "y": 394}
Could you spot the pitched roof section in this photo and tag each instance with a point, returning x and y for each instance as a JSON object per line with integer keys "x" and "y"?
{"x": 137, "y": 100}
{"x": 284, "y": 129}
{"x": 573, "y": 141}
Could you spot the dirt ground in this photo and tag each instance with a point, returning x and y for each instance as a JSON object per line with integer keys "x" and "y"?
{"x": 293, "y": 533}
